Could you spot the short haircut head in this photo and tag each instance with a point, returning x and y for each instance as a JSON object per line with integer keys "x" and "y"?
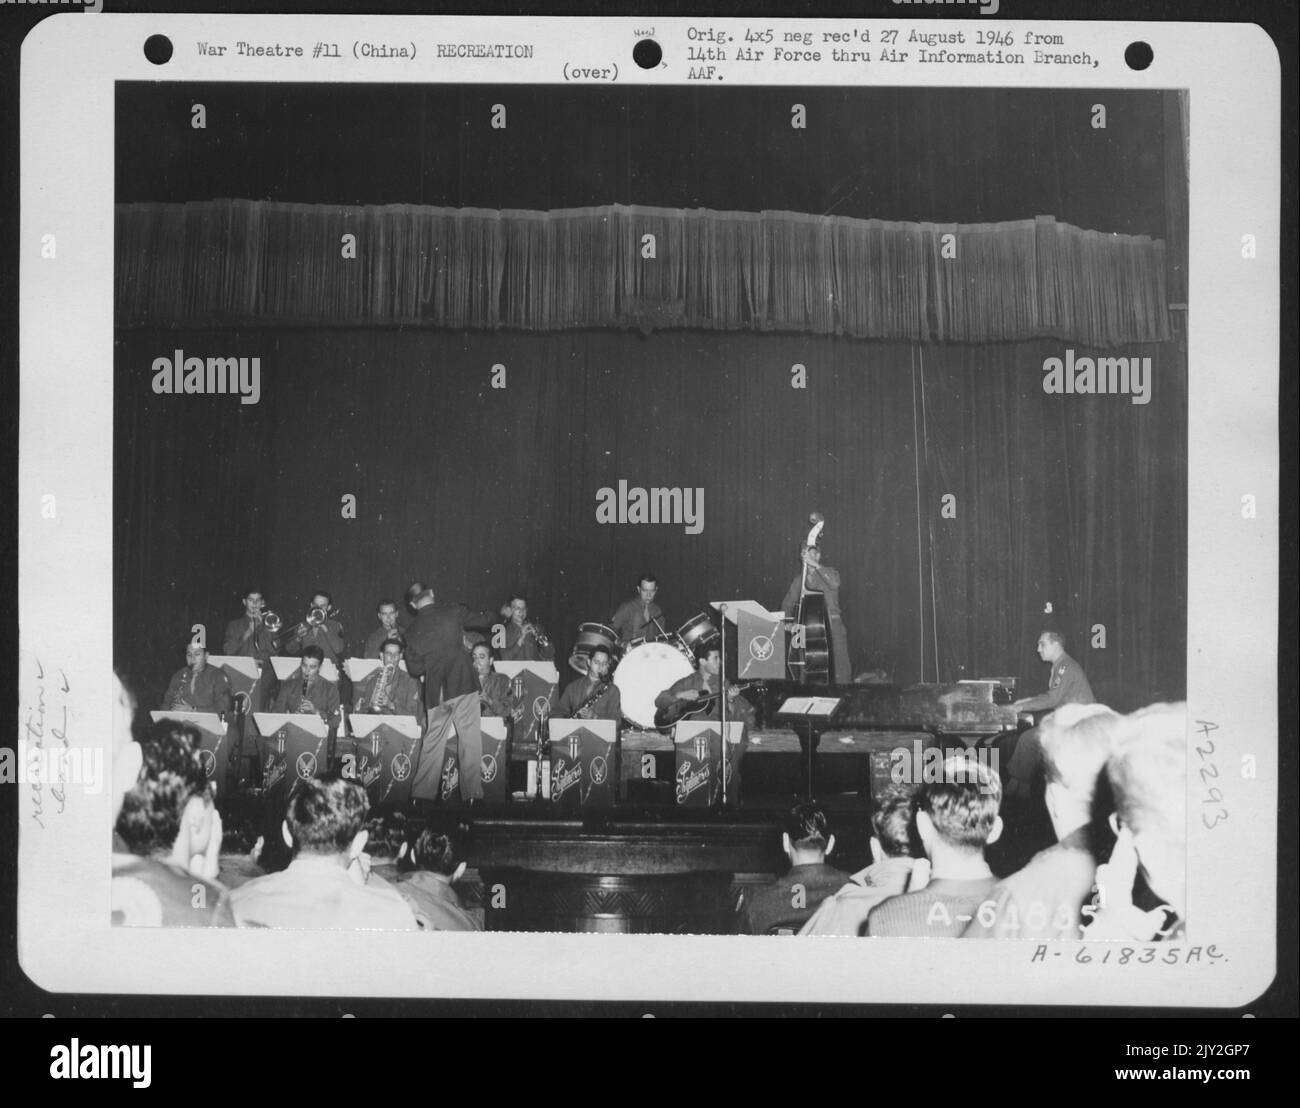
{"x": 1148, "y": 771}
{"x": 386, "y": 835}
{"x": 605, "y": 650}
{"x": 434, "y": 850}
{"x": 1076, "y": 741}
{"x": 963, "y": 805}
{"x": 1054, "y": 636}
{"x": 326, "y": 813}
{"x": 170, "y": 775}
{"x": 702, "y": 650}
{"x": 386, "y": 603}
{"x": 894, "y": 824}
{"x": 314, "y": 651}
{"x": 517, "y": 596}
{"x": 322, "y": 592}
{"x": 807, "y": 826}
{"x": 647, "y": 579}
{"x": 394, "y": 640}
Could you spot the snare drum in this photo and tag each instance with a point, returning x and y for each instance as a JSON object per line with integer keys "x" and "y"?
{"x": 643, "y": 674}
{"x": 697, "y": 630}
{"x": 590, "y": 636}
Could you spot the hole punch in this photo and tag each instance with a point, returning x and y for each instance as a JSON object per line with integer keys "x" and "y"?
{"x": 1138, "y": 55}
{"x": 158, "y": 49}
{"x": 647, "y": 53}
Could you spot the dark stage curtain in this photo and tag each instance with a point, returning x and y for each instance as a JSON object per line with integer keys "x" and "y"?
{"x": 1076, "y": 500}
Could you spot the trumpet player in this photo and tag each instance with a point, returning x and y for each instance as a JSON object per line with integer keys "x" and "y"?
{"x": 320, "y": 629}
{"x": 305, "y": 691}
{"x": 198, "y": 687}
{"x": 248, "y": 636}
{"x": 388, "y": 691}
{"x": 525, "y": 639}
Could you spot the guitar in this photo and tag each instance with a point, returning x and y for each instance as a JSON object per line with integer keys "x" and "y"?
{"x": 814, "y": 658}
{"x": 678, "y": 710}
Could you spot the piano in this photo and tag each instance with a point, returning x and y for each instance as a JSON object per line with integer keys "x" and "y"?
{"x": 967, "y": 709}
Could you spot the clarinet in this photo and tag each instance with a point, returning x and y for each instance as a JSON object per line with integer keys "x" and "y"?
{"x": 596, "y": 695}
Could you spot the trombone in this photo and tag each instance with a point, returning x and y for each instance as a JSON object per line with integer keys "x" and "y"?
{"x": 314, "y": 618}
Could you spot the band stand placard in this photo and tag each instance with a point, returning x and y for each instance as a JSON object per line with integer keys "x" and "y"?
{"x": 760, "y": 639}
{"x": 495, "y": 732}
{"x": 360, "y": 668}
{"x": 380, "y": 756}
{"x": 584, "y": 763}
{"x": 212, "y": 736}
{"x": 286, "y": 667}
{"x": 533, "y": 686}
{"x": 697, "y": 753}
{"x": 293, "y": 748}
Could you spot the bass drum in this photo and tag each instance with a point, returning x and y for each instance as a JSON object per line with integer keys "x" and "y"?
{"x": 643, "y": 674}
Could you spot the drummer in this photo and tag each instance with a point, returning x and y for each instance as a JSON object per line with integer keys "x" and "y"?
{"x": 640, "y": 617}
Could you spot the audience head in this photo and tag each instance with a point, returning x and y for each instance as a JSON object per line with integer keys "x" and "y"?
{"x": 169, "y": 809}
{"x": 1076, "y": 741}
{"x": 959, "y": 811}
{"x": 386, "y": 835}
{"x": 434, "y": 851}
{"x": 1148, "y": 775}
{"x": 806, "y": 838}
{"x": 894, "y": 825}
{"x": 327, "y": 816}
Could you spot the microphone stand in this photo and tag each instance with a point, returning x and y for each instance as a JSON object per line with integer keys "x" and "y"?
{"x": 722, "y": 688}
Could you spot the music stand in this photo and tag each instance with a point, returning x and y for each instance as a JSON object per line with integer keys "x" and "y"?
{"x": 815, "y": 713}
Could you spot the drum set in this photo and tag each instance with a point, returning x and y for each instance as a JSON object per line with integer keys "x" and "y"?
{"x": 650, "y": 665}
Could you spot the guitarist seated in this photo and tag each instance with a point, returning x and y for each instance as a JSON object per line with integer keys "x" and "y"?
{"x": 696, "y": 697}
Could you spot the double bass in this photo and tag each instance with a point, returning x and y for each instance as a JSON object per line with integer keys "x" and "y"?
{"x": 812, "y": 660}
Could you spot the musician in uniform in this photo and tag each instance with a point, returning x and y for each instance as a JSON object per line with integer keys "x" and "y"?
{"x": 388, "y": 691}
{"x": 640, "y": 617}
{"x": 1067, "y": 685}
{"x": 305, "y": 691}
{"x": 326, "y": 634}
{"x": 494, "y": 697}
{"x": 198, "y": 687}
{"x": 525, "y": 639}
{"x": 388, "y": 629}
{"x": 704, "y": 683}
{"x": 247, "y": 636}
{"x": 819, "y": 578}
{"x": 594, "y": 696}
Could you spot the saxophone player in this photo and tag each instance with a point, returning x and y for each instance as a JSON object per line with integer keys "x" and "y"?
{"x": 525, "y": 639}
{"x": 198, "y": 687}
{"x": 494, "y": 698}
{"x": 388, "y": 691}
{"x": 594, "y": 696}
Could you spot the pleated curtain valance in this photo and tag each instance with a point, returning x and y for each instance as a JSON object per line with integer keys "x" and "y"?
{"x": 241, "y": 262}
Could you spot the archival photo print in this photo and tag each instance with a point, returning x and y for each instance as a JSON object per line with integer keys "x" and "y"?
{"x": 687, "y": 510}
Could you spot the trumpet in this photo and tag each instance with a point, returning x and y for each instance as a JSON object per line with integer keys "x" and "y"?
{"x": 538, "y": 635}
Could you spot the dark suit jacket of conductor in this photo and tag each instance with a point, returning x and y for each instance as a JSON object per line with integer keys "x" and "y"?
{"x": 435, "y": 650}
